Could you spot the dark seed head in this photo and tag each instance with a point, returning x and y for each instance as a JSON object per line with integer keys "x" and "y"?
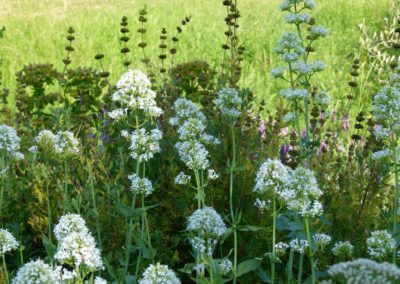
{"x": 99, "y": 56}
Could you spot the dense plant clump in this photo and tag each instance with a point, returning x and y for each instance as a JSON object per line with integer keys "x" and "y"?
{"x": 174, "y": 174}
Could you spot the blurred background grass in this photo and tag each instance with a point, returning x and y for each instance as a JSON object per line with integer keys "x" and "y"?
{"x": 36, "y": 30}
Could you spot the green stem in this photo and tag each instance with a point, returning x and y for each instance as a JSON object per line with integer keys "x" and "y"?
{"x": 130, "y": 224}
{"x": 5, "y": 269}
{"x": 48, "y": 208}
{"x": 96, "y": 212}
{"x": 290, "y": 267}
{"x": 396, "y": 198}
{"x": 300, "y": 272}
{"x": 273, "y": 241}
{"x": 310, "y": 251}
{"x": 66, "y": 184}
{"x": 200, "y": 193}
{"x": 233, "y": 165}
{"x": 308, "y": 158}
{"x": 3, "y": 184}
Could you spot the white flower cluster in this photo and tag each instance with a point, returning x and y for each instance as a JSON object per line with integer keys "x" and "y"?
{"x": 37, "y": 272}
{"x": 322, "y": 240}
{"x": 362, "y": 271}
{"x": 323, "y": 98}
{"x": 69, "y": 223}
{"x": 141, "y": 185}
{"x": 134, "y": 93}
{"x": 343, "y": 249}
{"x": 380, "y": 155}
{"x": 386, "y": 108}
{"x": 77, "y": 246}
{"x": 63, "y": 143}
{"x": 225, "y": 266}
{"x": 294, "y": 94}
{"x": 317, "y": 31}
{"x": 272, "y": 178}
{"x": 381, "y": 245}
{"x": 191, "y": 126}
{"x": 10, "y": 142}
{"x": 182, "y": 179}
{"x": 298, "y": 188}
{"x": 144, "y": 144}
{"x": 290, "y": 47}
{"x": 203, "y": 246}
{"x": 229, "y": 103}
{"x": 99, "y": 280}
{"x": 7, "y": 242}
{"x": 287, "y": 5}
{"x": 207, "y": 223}
{"x": 280, "y": 249}
{"x": 297, "y": 18}
{"x": 298, "y": 245}
{"x": 303, "y": 193}
{"x": 303, "y": 68}
{"x": 159, "y": 274}
{"x": 185, "y": 109}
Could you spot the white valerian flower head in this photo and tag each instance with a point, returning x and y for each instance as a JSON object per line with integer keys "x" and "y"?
{"x": 298, "y": 245}
{"x": 79, "y": 250}
{"x": 207, "y": 223}
{"x": 322, "y": 240}
{"x": 302, "y": 193}
{"x": 280, "y": 249}
{"x": 364, "y": 271}
{"x": 272, "y": 178}
{"x": 33, "y": 149}
{"x": 343, "y": 249}
{"x": 294, "y": 94}
{"x": 46, "y": 138}
{"x": 141, "y": 185}
{"x": 182, "y": 179}
{"x": 323, "y": 99}
{"x": 65, "y": 275}
{"x": 144, "y": 144}
{"x": 118, "y": 114}
{"x": 381, "y": 245}
{"x": 37, "y": 272}
{"x": 125, "y": 133}
{"x": 386, "y": 107}
{"x": 69, "y": 223}
{"x": 193, "y": 154}
{"x": 203, "y": 246}
{"x": 229, "y": 103}
{"x": 317, "y": 31}
{"x": 157, "y": 274}
{"x": 287, "y": 5}
{"x": 66, "y": 144}
{"x": 225, "y": 266}
{"x": 10, "y": 142}
{"x": 290, "y": 47}
{"x": 380, "y": 155}
{"x": 261, "y": 204}
{"x": 298, "y": 18}
{"x": 278, "y": 72}
{"x": 99, "y": 280}
{"x": 63, "y": 143}
{"x": 289, "y": 117}
{"x": 7, "y": 242}
{"x": 212, "y": 175}
{"x": 185, "y": 109}
{"x": 134, "y": 93}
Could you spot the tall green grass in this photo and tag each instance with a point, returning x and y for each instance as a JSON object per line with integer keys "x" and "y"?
{"x": 36, "y": 33}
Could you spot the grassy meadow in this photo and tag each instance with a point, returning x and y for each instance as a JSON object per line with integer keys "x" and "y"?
{"x": 36, "y": 30}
